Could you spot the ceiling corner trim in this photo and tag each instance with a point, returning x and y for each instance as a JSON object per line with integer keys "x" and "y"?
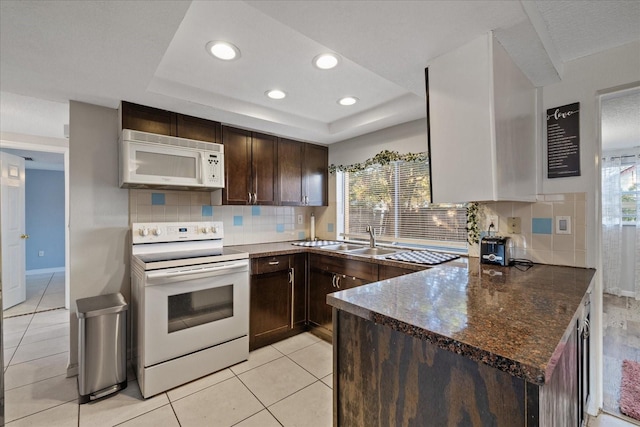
{"x": 532, "y": 12}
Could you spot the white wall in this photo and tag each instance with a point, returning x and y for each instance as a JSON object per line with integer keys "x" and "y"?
{"x": 582, "y": 80}
{"x": 99, "y": 212}
{"x": 409, "y": 137}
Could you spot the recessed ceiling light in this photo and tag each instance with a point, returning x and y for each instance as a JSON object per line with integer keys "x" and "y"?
{"x": 347, "y": 100}
{"x": 325, "y": 61}
{"x": 275, "y": 94}
{"x": 223, "y": 50}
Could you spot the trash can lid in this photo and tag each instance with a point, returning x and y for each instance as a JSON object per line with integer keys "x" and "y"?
{"x": 100, "y": 305}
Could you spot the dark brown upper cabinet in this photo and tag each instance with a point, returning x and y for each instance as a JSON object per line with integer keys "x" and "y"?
{"x": 250, "y": 167}
{"x": 200, "y": 129}
{"x": 147, "y": 119}
{"x": 302, "y": 173}
{"x": 155, "y": 120}
{"x": 316, "y": 174}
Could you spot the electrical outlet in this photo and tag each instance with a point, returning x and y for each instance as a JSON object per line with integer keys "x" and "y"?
{"x": 493, "y": 219}
{"x": 514, "y": 225}
{"x": 40, "y": 253}
{"x": 300, "y": 219}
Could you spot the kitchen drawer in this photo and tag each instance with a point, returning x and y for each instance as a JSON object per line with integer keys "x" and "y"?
{"x": 269, "y": 264}
{"x": 361, "y": 269}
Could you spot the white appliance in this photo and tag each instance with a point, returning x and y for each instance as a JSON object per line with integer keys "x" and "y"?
{"x": 148, "y": 160}
{"x": 189, "y": 303}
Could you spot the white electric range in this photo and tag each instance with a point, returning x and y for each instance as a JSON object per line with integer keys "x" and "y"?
{"x": 190, "y": 303}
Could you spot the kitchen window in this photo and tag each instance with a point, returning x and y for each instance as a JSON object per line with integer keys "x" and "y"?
{"x": 395, "y": 200}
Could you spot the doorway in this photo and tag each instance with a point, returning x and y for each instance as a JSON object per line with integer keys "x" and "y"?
{"x": 620, "y": 241}
{"x": 44, "y": 219}
{"x": 47, "y": 215}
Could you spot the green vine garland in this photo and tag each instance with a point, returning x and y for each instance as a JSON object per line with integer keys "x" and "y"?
{"x": 382, "y": 158}
{"x": 473, "y": 233}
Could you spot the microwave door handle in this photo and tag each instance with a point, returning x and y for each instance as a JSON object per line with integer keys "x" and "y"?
{"x": 165, "y": 274}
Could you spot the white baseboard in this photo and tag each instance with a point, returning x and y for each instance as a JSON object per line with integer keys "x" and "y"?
{"x": 44, "y": 271}
{"x": 72, "y": 370}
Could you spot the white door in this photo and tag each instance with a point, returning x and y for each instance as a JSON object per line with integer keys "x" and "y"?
{"x": 12, "y": 230}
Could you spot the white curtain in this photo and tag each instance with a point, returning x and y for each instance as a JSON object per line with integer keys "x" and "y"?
{"x": 621, "y": 222}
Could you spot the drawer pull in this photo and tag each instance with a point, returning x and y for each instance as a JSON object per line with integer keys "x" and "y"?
{"x": 274, "y": 262}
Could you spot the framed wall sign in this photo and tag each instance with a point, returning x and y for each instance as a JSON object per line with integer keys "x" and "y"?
{"x": 563, "y": 141}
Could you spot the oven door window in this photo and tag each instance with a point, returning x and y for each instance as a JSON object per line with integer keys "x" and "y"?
{"x": 192, "y": 309}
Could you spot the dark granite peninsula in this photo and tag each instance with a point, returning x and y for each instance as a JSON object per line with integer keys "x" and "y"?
{"x": 461, "y": 346}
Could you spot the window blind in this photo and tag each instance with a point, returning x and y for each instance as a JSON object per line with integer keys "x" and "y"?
{"x": 395, "y": 200}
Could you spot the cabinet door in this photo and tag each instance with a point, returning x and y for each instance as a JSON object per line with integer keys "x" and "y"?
{"x": 299, "y": 296}
{"x": 264, "y": 167}
{"x": 147, "y": 119}
{"x": 198, "y": 129}
{"x": 237, "y": 171}
{"x": 316, "y": 175}
{"x": 331, "y": 274}
{"x": 321, "y": 283}
{"x": 270, "y": 312}
{"x": 290, "y": 171}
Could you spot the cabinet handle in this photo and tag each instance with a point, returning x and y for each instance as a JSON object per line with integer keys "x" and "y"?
{"x": 249, "y": 197}
{"x": 255, "y": 198}
{"x": 333, "y": 281}
{"x": 274, "y": 262}
{"x": 338, "y": 282}
{"x": 292, "y": 280}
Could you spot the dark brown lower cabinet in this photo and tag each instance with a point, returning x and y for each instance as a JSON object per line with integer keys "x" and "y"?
{"x": 384, "y": 377}
{"x": 389, "y": 272}
{"x": 331, "y": 274}
{"x": 277, "y": 301}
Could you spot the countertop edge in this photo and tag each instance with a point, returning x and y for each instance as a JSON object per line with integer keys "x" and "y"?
{"x": 262, "y": 250}
{"x": 538, "y": 375}
{"x": 526, "y": 372}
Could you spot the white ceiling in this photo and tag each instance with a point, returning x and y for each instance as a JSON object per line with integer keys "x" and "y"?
{"x": 153, "y": 53}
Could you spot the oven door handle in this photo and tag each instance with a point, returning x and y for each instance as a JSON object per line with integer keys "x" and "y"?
{"x": 166, "y": 274}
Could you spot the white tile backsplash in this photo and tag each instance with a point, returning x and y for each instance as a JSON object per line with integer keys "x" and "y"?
{"x": 538, "y": 245}
{"x": 260, "y": 225}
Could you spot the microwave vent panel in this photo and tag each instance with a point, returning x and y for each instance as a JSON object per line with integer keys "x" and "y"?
{"x": 152, "y": 138}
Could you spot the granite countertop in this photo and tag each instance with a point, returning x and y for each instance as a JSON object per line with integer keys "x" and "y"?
{"x": 260, "y": 250}
{"x": 516, "y": 321}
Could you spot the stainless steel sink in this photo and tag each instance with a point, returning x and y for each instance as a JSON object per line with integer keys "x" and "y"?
{"x": 373, "y": 251}
{"x": 342, "y": 247}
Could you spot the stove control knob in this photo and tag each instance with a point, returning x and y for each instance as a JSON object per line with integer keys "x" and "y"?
{"x": 205, "y": 230}
{"x": 144, "y": 232}
{"x": 214, "y": 230}
{"x": 157, "y": 231}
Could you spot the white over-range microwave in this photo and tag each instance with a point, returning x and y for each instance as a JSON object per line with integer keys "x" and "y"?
{"x": 149, "y": 160}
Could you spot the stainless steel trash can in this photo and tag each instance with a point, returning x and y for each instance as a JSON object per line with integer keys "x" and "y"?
{"x": 102, "y": 346}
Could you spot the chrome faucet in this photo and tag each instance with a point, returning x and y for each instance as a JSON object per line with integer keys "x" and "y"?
{"x": 372, "y": 236}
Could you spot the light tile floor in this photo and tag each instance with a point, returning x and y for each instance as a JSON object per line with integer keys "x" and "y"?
{"x": 44, "y": 292}
{"x": 621, "y": 339}
{"x": 286, "y": 384}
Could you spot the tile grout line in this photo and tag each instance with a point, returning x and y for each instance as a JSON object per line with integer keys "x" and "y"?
{"x": 47, "y": 409}
{"x": 289, "y": 395}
